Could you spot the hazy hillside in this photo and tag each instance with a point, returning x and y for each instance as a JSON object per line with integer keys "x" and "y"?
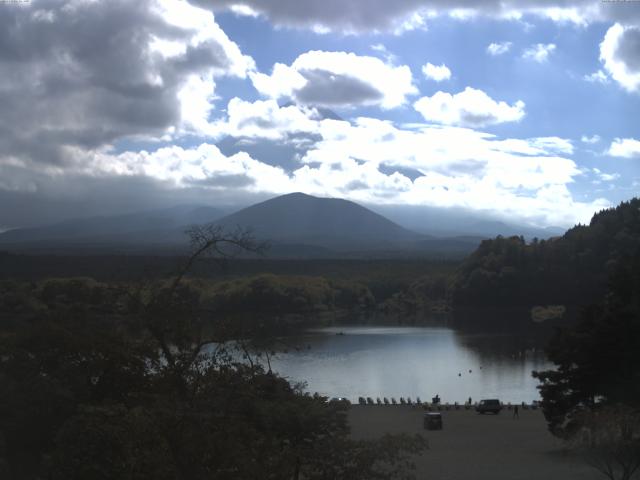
{"x": 157, "y": 225}
{"x": 455, "y": 222}
{"x": 296, "y": 226}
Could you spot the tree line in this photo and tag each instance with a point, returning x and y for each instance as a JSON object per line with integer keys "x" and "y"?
{"x": 570, "y": 270}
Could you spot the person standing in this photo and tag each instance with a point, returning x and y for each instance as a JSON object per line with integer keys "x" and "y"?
{"x": 516, "y": 414}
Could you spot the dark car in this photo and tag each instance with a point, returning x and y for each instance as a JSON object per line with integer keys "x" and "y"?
{"x": 491, "y": 405}
{"x": 432, "y": 421}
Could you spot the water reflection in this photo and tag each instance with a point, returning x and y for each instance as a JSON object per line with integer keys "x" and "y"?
{"x": 396, "y": 361}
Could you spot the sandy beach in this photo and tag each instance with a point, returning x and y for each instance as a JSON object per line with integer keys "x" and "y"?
{"x": 477, "y": 447}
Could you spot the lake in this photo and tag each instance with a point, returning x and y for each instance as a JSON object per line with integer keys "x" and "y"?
{"x": 374, "y": 361}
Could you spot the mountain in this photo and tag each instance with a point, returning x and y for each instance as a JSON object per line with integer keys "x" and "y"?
{"x": 334, "y": 223}
{"x": 457, "y": 222}
{"x": 165, "y": 225}
{"x": 296, "y": 226}
{"x": 493, "y": 228}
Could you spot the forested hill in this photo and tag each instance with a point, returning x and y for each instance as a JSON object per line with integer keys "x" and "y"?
{"x": 568, "y": 270}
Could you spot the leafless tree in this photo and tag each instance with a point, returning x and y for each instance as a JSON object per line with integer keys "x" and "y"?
{"x": 171, "y": 316}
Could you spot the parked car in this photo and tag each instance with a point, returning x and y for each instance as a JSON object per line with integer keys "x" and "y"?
{"x": 340, "y": 401}
{"x": 491, "y": 405}
{"x": 432, "y": 421}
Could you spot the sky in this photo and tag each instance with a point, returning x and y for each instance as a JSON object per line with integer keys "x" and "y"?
{"x": 526, "y": 111}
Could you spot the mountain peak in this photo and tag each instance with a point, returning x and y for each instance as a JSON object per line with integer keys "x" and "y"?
{"x": 295, "y": 195}
{"x": 329, "y": 222}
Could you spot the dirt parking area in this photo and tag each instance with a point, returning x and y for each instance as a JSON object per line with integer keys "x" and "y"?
{"x": 477, "y": 447}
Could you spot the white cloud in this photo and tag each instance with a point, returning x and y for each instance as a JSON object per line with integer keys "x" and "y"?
{"x": 203, "y": 166}
{"x": 460, "y": 167}
{"x": 384, "y": 52}
{"x": 590, "y": 139}
{"x": 604, "y": 177}
{"x": 415, "y": 21}
{"x": 265, "y": 119}
{"x": 536, "y": 146}
{"x": 554, "y": 144}
{"x": 499, "y": 48}
{"x": 625, "y": 147}
{"x": 579, "y": 14}
{"x": 470, "y": 107}
{"x": 539, "y": 52}
{"x": 620, "y": 55}
{"x": 243, "y": 11}
{"x": 525, "y": 178}
{"x": 597, "y": 77}
{"x": 437, "y": 73}
{"x": 457, "y": 167}
{"x": 338, "y": 79}
{"x": 196, "y": 103}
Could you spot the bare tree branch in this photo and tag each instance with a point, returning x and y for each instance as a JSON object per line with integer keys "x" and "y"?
{"x": 212, "y": 239}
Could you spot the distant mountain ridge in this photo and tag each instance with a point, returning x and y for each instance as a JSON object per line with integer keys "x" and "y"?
{"x": 455, "y": 222}
{"x": 115, "y": 228}
{"x": 296, "y": 225}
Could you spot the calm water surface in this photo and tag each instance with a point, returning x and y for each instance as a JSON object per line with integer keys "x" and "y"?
{"x": 413, "y": 361}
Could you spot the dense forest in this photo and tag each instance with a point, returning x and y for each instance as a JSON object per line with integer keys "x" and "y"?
{"x": 278, "y": 302}
{"x": 383, "y": 277}
{"x": 569, "y": 270}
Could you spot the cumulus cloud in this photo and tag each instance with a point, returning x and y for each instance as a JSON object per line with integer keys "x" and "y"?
{"x": 337, "y": 79}
{"x": 437, "y": 73}
{"x": 605, "y": 177}
{"x": 85, "y": 74}
{"x": 590, "y": 139}
{"x": 265, "y": 119}
{"x": 203, "y": 165}
{"x": 597, "y": 77}
{"x": 539, "y": 52}
{"x": 363, "y": 160}
{"x": 498, "y": 48}
{"x": 620, "y": 55}
{"x": 470, "y": 107}
{"x": 460, "y": 167}
{"x": 243, "y": 11}
{"x": 553, "y": 144}
{"x": 382, "y": 50}
{"x": 352, "y": 16}
{"x": 625, "y": 147}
